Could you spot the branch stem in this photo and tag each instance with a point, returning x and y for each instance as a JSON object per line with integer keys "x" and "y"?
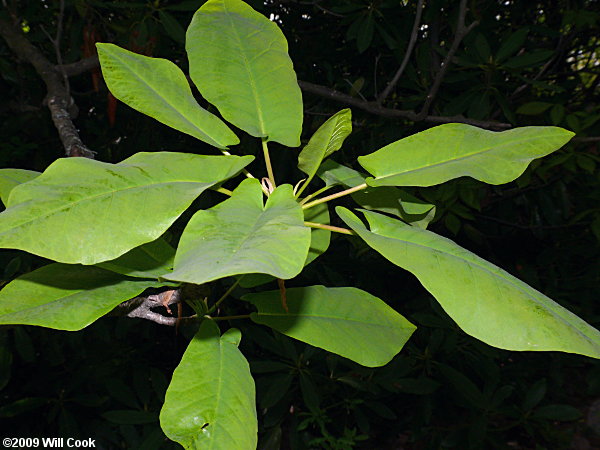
{"x": 322, "y": 226}
{"x": 360, "y": 187}
{"x": 411, "y": 44}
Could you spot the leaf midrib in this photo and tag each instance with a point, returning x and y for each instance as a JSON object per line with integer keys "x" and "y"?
{"x": 248, "y": 71}
{"x": 112, "y": 193}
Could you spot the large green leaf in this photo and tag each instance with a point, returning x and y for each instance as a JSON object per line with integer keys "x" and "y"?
{"x": 150, "y": 260}
{"x": 210, "y": 403}
{"x": 241, "y": 235}
{"x": 386, "y": 199}
{"x": 158, "y": 88}
{"x": 484, "y": 300}
{"x": 239, "y": 62}
{"x": 346, "y": 321}
{"x": 327, "y": 139}
{"x": 9, "y": 178}
{"x": 66, "y": 297}
{"x": 454, "y": 150}
{"x": 85, "y": 211}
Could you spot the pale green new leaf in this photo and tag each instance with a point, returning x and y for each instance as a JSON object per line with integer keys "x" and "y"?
{"x": 158, "y": 88}
{"x": 9, "y": 178}
{"x": 484, "y": 300}
{"x": 85, "y": 211}
{"x": 66, "y": 297}
{"x": 387, "y": 199}
{"x": 239, "y": 62}
{"x": 150, "y": 260}
{"x": 454, "y": 150}
{"x": 241, "y": 235}
{"x": 346, "y": 321}
{"x": 327, "y": 139}
{"x": 210, "y": 403}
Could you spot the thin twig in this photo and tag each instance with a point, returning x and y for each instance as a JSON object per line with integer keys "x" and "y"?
{"x": 461, "y": 32}
{"x": 377, "y": 109}
{"x": 411, "y": 44}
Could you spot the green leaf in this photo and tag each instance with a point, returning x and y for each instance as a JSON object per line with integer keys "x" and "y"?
{"x": 333, "y": 173}
{"x": 346, "y": 321}
{"x": 158, "y": 88}
{"x": 319, "y": 239}
{"x": 529, "y": 59}
{"x": 484, "y": 300}
{"x": 241, "y": 235}
{"x": 327, "y": 139}
{"x": 365, "y": 33}
{"x": 395, "y": 201}
{"x": 512, "y": 44}
{"x": 386, "y": 199}
{"x": 150, "y": 260}
{"x": 172, "y": 27}
{"x": 533, "y": 108}
{"x": 9, "y": 178}
{"x": 85, "y": 211}
{"x": 210, "y": 403}
{"x": 563, "y": 413}
{"x": 319, "y": 243}
{"x": 66, "y": 297}
{"x": 454, "y": 150}
{"x": 239, "y": 61}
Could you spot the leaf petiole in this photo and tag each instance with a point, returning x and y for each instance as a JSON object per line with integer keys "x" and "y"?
{"x": 268, "y": 163}
{"x": 317, "y": 192}
{"x": 336, "y": 195}
{"x": 224, "y": 296}
{"x": 322, "y": 226}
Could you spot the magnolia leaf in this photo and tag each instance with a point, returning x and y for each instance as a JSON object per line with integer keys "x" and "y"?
{"x": 158, "y": 88}
{"x": 239, "y": 61}
{"x": 241, "y": 235}
{"x": 150, "y": 260}
{"x": 319, "y": 243}
{"x": 327, "y": 139}
{"x": 66, "y": 297}
{"x": 334, "y": 173}
{"x": 85, "y": 211}
{"x": 9, "y": 178}
{"x": 454, "y": 150}
{"x": 484, "y": 300}
{"x": 210, "y": 403}
{"x": 346, "y": 321}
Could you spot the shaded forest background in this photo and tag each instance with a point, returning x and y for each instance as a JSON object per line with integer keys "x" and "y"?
{"x": 402, "y": 66}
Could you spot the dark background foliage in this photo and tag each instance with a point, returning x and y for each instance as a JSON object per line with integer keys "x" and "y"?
{"x": 518, "y": 63}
